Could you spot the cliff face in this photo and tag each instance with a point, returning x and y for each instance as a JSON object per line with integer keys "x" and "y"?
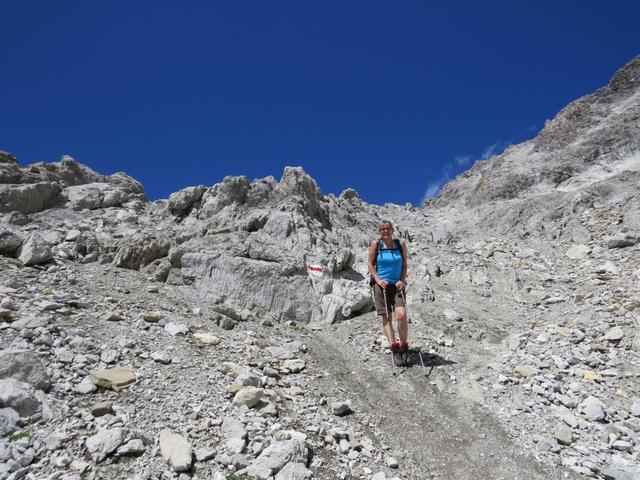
{"x": 239, "y": 318}
{"x": 589, "y": 153}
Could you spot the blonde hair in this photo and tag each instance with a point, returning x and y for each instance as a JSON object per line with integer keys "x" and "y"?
{"x": 385, "y": 223}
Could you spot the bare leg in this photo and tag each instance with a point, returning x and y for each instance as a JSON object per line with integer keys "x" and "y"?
{"x": 387, "y": 326}
{"x": 403, "y": 325}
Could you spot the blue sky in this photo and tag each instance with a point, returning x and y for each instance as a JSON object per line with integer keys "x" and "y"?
{"x": 389, "y": 98}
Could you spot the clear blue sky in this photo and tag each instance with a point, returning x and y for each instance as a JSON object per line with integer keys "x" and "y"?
{"x": 389, "y": 98}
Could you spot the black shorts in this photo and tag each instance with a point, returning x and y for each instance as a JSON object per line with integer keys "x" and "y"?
{"x": 394, "y": 298}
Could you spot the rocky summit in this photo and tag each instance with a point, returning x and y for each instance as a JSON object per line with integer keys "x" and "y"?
{"x": 227, "y": 332}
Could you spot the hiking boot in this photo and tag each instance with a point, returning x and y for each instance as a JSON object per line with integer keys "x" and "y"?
{"x": 404, "y": 351}
{"x": 396, "y": 352}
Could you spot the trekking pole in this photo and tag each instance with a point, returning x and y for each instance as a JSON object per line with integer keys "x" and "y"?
{"x": 406, "y": 309}
{"x": 387, "y": 313}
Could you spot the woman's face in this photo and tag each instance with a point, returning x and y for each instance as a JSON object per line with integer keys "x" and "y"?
{"x": 385, "y": 231}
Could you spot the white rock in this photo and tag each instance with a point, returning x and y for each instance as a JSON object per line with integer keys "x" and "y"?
{"x": 161, "y": 357}
{"x": 276, "y": 456}
{"x": 35, "y": 250}
{"x": 176, "y": 450}
{"x": 174, "y": 329}
{"x": 248, "y": 396}
{"x": 577, "y": 252}
{"x": 104, "y": 443}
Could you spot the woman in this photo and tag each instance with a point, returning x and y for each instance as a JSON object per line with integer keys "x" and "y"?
{"x": 388, "y": 269}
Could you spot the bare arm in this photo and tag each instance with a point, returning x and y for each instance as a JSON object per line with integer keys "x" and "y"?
{"x": 373, "y": 252}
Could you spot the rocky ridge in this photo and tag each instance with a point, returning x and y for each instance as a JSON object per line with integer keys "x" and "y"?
{"x": 227, "y": 332}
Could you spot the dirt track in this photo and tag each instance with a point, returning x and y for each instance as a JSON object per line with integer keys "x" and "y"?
{"x": 429, "y": 428}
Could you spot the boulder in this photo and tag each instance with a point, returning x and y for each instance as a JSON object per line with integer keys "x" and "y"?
{"x": 276, "y": 456}
{"x": 21, "y": 397}
{"x": 29, "y": 198}
{"x": 24, "y": 366}
{"x": 34, "y": 250}
{"x": 105, "y": 442}
{"x": 95, "y": 195}
{"x": 180, "y": 202}
{"x": 9, "y": 241}
{"x": 113, "y": 378}
{"x": 176, "y": 450}
{"x": 140, "y": 250}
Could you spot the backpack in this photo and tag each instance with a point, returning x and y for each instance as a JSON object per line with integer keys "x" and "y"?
{"x": 397, "y": 246}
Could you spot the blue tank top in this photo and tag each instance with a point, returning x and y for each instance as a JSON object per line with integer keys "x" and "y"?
{"x": 389, "y": 263}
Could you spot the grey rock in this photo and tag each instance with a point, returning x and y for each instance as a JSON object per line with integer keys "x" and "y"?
{"x": 563, "y": 435}
{"x": 105, "y": 442}
{"x": 173, "y": 328}
{"x": 140, "y": 250}
{"x": 8, "y": 421}
{"x": 249, "y": 396}
{"x": 341, "y": 407}
{"x": 34, "y": 250}
{"x": 96, "y": 195}
{"x": 276, "y": 456}
{"x": 176, "y": 450}
{"x": 593, "y": 409}
{"x": 294, "y": 471}
{"x": 28, "y": 198}
{"x": 24, "y": 366}
{"x": 614, "y": 334}
{"x": 180, "y": 202}
{"x": 133, "y": 448}
{"x": 161, "y": 357}
{"x": 21, "y": 397}
{"x": 9, "y": 241}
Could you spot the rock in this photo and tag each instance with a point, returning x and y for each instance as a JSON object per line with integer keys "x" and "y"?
{"x": 614, "y": 334}
{"x": 85, "y": 386}
{"x": 621, "y": 240}
{"x": 24, "y": 366}
{"x": 591, "y": 375}
{"x": 30, "y": 323}
{"x": 8, "y": 421}
{"x": 180, "y": 202}
{"x": 452, "y": 316}
{"x": 294, "y": 471}
{"x": 112, "y": 317}
{"x": 471, "y": 391}
{"x": 161, "y": 357}
{"x": 133, "y": 448}
{"x": 577, "y": 252}
{"x": 204, "y": 454}
{"x": 100, "y": 409}
{"x": 206, "y": 338}
{"x": 276, "y": 456}
{"x": 104, "y": 443}
{"x": 249, "y": 396}
{"x": 563, "y": 435}
{"x": 152, "y": 317}
{"x": 525, "y": 371}
{"x": 341, "y": 407}
{"x": 294, "y": 365}
{"x": 21, "y": 397}
{"x": 593, "y": 409}
{"x": 176, "y": 450}
{"x": 96, "y": 195}
{"x": 34, "y": 250}
{"x": 226, "y": 323}
{"x": 9, "y": 241}
{"x": 29, "y": 198}
{"x": 140, "y": 250}
{"x": 113, "y": 378}
{"x": 235, "y": 434}
{"x": 174, "y": 329}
